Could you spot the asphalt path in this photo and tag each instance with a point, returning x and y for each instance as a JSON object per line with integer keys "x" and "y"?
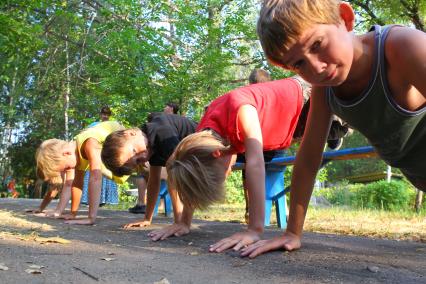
{"x": 108, "y": 254}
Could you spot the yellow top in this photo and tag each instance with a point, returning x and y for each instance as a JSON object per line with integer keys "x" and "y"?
{"x": 99, "y": 132}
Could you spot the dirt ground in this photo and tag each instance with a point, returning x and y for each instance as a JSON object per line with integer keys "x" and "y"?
{"x": 132, "y": 258}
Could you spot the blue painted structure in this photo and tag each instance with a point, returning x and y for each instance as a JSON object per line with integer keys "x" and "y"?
{"x": 164, "y": 194}
{"x": 274, "y": 178}
{"x": 274, "y": 181}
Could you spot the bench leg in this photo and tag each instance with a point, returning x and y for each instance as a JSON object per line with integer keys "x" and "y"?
{"x": 164, "y": 194}
{"x": 274, "y": 186}
{"x": 281, "y": 211}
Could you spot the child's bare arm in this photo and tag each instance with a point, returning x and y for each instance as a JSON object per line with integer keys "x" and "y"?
{"x": 248, "y": 123}
{"x": 308, "y": 159}
{"x": 65, "y": 193}
{"x": 92, "y": 149}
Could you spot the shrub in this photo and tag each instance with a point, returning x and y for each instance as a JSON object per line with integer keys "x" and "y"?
{"x": 234, "y": 188}
{"x": 394, "y": 195}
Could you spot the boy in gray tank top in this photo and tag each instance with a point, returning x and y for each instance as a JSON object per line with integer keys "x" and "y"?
{"x": 375, "y": 82}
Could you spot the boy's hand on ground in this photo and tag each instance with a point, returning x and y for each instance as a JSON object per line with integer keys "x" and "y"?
{"x": 288, "y": 241}
{"x": 236, "y": 241}
{"x": 143, "y": 223}
{"x": 176, "y": 230}
{"x": 69, "y": 216}
{"x": 85, "y": 221}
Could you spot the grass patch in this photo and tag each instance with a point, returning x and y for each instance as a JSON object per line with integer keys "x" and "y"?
{"x": 397, "y": 225}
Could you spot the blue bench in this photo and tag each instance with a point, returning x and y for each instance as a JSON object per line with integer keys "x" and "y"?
{"x": 274, "y": 181}
{"x": 274, "y": 178}
{"x": 164, "y": 194}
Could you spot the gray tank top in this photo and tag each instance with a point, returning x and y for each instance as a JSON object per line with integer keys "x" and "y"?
{"x": 398, "y": 135}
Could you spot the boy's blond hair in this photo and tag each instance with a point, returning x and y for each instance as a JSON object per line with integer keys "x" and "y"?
{"x": 281, "y": 22}
{"x": 49, "y": 156}
{"x": 195, "y": 173}
{"x": 111, "y": 152}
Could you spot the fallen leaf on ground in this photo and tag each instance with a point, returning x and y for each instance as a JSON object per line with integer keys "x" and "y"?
{"x": 110, "y": 253}
{"x": 33, "y": 271}
{"x": 52, "y": 240}
{"x": 373, "y": 269}
{"x": 194, "y": 253}
{"x": 34, "y": 266}
{"x": 3, "y": 267}
{"x": 163, "y": 281}
{"x": 108, "y": 258}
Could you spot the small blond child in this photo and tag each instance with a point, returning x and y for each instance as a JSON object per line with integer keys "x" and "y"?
{"x": 375, "y": 82}
{"x": 71, "y": 159}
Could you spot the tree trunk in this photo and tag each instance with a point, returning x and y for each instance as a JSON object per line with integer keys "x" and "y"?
{"x": 67, "y": 92}
{"x": 419, "y": 200}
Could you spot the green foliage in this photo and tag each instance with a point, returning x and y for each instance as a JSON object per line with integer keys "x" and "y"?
{"x": 394, "y": 195}
{"x": 122, "y": 196}
{"x": 234, "y": 188}
{"x": 382, "y": 195}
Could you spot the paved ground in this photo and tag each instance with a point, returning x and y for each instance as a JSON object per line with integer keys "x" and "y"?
{"x": 323, "y": 258}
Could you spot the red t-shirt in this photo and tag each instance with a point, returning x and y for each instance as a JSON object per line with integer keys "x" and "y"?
{"x": 278, "y": 104}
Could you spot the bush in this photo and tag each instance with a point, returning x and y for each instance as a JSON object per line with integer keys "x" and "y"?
{"x": 394, "y": 195}
{"x": 122, "y": 196}
{"x": 234, "y": 188}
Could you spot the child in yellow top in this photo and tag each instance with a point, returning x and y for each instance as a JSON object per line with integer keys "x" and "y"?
{"x": 73, "y": 158}
{"x": 375, "y": 82}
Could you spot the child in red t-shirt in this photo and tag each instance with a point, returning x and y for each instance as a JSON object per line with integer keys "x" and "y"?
{"x": 250, "y": 119}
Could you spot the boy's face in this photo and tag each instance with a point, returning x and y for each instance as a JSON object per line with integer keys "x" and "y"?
{"x": 322, "y": 56}
{"x": 168, "y": 109}
{"x": 104, "y": 117}
{"x": 135, "y": 151}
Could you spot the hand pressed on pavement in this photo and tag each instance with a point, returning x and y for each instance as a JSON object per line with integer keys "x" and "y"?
{"x": 236, "y": 241}
{"x": 177, "y": 230}
{"x": 144, "y": 223}
{"x": 288, "y": 241}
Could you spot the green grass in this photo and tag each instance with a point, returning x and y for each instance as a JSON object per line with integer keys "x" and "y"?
{"x": 400, "y": 225}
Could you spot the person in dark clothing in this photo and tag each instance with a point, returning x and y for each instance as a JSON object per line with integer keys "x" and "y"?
{"x": 126, "y": 150}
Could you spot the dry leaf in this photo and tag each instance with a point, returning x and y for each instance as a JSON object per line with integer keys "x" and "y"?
{"x": 52, "y": 240}
{"x": 33, "y": 271}
{"x": 108, "y": 258}
{"x": 163, "y": 281}
{"x": 34, "y": 266}
{"x": 194, "y": 253}
{"x": 3, "y": 267}
{"x": 110, "y": 253}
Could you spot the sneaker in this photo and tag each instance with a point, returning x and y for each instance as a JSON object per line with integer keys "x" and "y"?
{"x": 335, "y": 144}
{"x": 137, "y": 209}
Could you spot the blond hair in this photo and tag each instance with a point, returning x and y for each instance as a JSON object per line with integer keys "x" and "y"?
{"x": 281, "y": 23}
{"x": 49, "y": 157}
{"x": 195, "y": 173}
